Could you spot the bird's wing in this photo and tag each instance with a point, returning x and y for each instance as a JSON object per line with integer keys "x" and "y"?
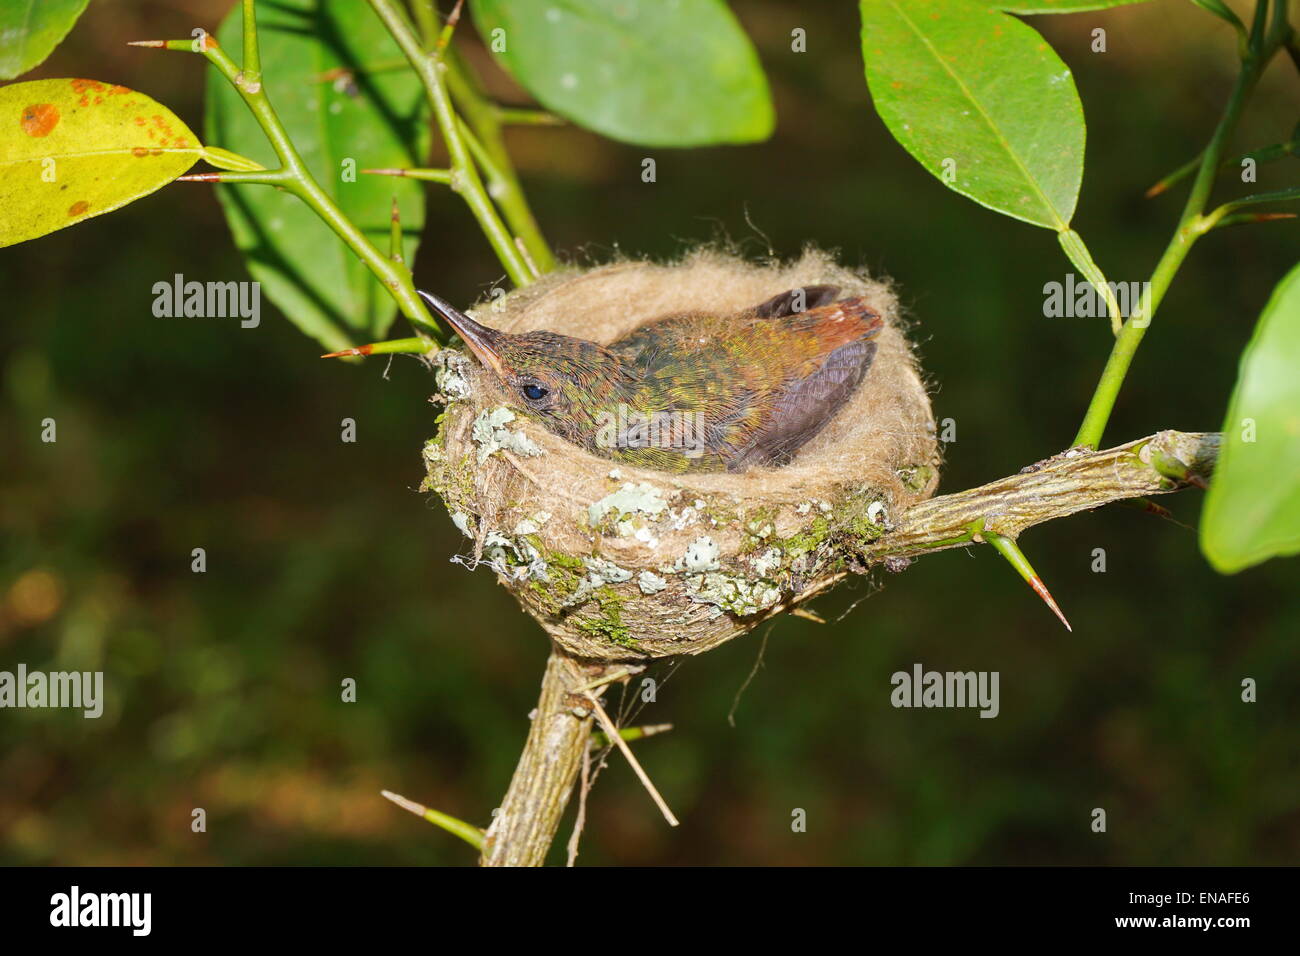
{"x": 639, "y": 344}
{"x": 805, "y": 406}
{"x": 807, "y": 401}
{"x": 784, "y": 304}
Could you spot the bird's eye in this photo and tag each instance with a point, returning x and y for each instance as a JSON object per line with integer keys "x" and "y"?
{"x": 534, "y": 392}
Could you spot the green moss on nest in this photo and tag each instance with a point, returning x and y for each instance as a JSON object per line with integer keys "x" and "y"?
{"x": 805, "y": 542}
{"x": 916, "y": 477}
{"x": 609, "y": 627}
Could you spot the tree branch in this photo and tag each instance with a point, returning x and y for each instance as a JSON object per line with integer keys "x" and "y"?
{"x": 522, "y": 831}
{"x": 1076, "y": 480}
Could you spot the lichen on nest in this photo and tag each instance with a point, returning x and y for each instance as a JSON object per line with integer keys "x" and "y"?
{"x": 618, "y": 562}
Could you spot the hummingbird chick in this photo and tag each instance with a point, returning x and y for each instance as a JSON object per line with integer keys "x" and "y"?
{"x": 692, "y": 392}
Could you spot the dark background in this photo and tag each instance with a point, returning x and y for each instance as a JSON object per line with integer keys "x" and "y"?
{"x": 324, "y": 562}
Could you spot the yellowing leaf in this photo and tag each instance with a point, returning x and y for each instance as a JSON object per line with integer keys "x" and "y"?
{"x": 72, "y": 149}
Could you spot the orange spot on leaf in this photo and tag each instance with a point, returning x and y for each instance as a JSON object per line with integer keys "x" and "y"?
{"x": 139, "y": 151}
{"x": 39, "y": 119}
{"x": 79, "y": 207}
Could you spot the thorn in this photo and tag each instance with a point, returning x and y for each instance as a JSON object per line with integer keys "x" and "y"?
{"x": 1246, "y": 218}
{"x": 807, "y": 615}
{"x": 359, "y": 350}
{"x": 416, "y": 345}
{"x": 416, "y": 808}
{"x": 182, "y": 46}
{"x": 468, "y": 832}
{"x": 1151, "y": 508}
{"x": 453, "y": 18}
{"x": 335, "y": 74}
{"x": 649, "y": 730}
{"x": 601, "y": 739}
{"x": 1160, "y": 511}
{"x": 1011, "y": 551}
{"x": 1037, "y": 584}
{"x": 200, "y": 178}
{"x": 427, "y": 175}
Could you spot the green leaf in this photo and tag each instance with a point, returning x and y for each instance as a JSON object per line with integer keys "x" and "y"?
{"x": 651, "y": 72}
{"x": 31, "y": 29}
{"x": 73, "y": 149}
{"x": 339, "y": 128}
{"x": 1223, "y": 12}
{"x": 981, "y": 101}
{"x": 1060, "y": 6}
{"x": 1252, "y": 510}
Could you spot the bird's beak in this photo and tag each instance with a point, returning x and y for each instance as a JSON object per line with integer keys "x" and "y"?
{"x": 482, "y": 341}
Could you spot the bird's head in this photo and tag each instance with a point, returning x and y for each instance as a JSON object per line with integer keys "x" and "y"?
{"x": 560, "y": 379}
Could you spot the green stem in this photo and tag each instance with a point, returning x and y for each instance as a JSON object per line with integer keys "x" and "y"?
{"x": 252, "y": 73}
{"x": 411, "y": 346}
{"x": 466, "y": 831}
{"x": 1191, "y": 226}
{"x": 486, "y": 119}
{"x": 465, "y": 180}
{"x": 1282, "y": 195}
{"x": 426, "y": 15}
{"x": 428, "y": 175}
{"x": 298, "y": 180}
{"x": 1221, "y": 10}
{"x": 1264, "y": 154}
{"x": 517, "y": 116}
{"x": 1082, "y": 259}
{"x": 395, "y": 234}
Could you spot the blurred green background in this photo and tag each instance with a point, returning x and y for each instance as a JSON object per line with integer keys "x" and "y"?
{"x": 324, "y": 562}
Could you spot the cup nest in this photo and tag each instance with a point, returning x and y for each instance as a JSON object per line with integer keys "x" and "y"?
{"x": 626, "y": 563}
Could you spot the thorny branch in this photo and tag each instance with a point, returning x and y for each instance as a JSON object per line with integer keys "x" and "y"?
{"x": 1077, "y": 480}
